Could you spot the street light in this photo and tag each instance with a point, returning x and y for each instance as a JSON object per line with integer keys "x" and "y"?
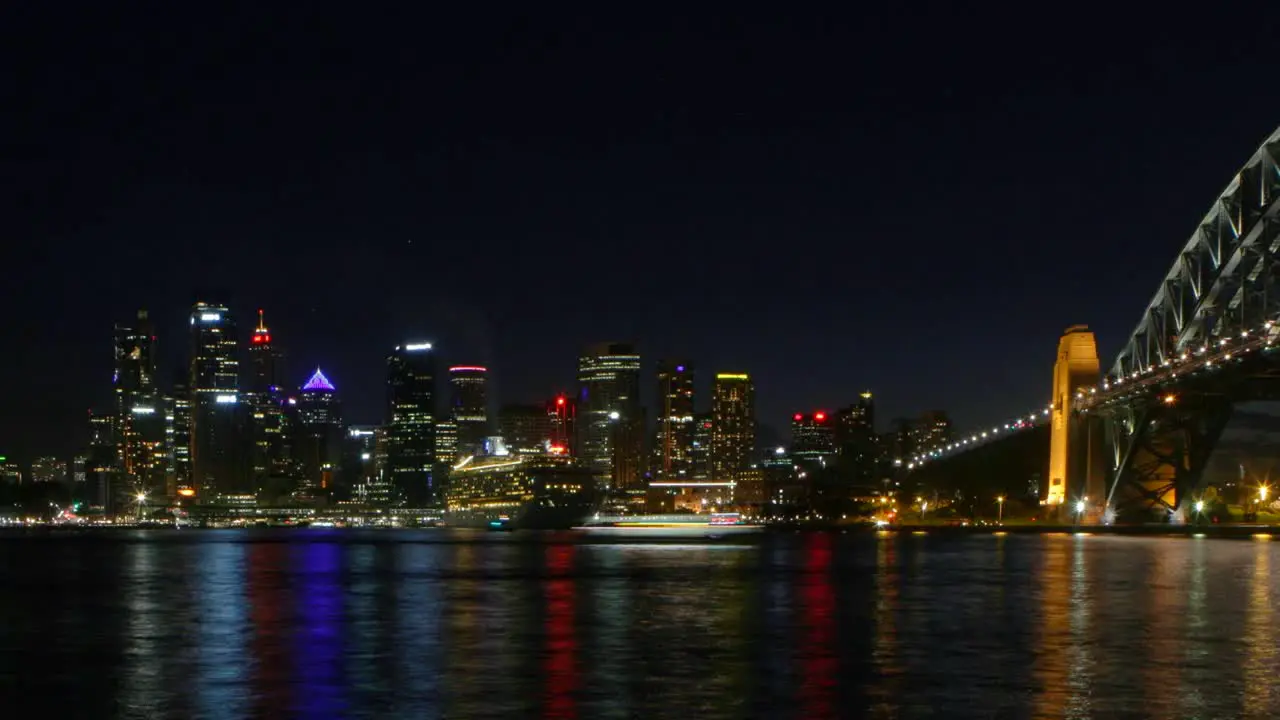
{"x": 1080, "y": 506}
{"x": 1000, "y": 512}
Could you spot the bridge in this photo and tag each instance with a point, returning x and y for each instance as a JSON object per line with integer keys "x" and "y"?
{"x": 1133, "y": 443}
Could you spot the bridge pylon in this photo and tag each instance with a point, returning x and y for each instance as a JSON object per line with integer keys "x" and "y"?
{"x": 1076, "y": 443}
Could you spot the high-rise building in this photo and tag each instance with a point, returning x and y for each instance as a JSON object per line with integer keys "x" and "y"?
{"x": 78, "y": 465}
{"x": 141, "y": 452}
{"x": 468, "y": 407}
{"x": 856, "y": 440}
{"x": 48, "y": 469}
{"x": 813, "y": 436}
{"x": 410, "y": 428}
{"x": 608, "y": 394}
{"x": 218, "y": 462}
{"x": 527, "y": 429}
{"x": 102, "y": 471}
{"x": 319, "y": 434}
{"x": 673, "y": 438}
{"x": 266, "y": 360}
{"x": 700, "y": 452}
{"x": 180, "y": 440}
{"x": 733, "y": 425}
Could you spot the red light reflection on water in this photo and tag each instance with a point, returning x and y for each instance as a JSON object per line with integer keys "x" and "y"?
{"x": 817, "y": 649}
{"x": 560, "y": 662}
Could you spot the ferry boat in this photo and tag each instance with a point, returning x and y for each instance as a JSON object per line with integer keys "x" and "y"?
{"x": 707, "y": 525}
{"x": 519, "y": 492}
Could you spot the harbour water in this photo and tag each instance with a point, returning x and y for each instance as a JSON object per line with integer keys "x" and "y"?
{"x": 398, "y": 624}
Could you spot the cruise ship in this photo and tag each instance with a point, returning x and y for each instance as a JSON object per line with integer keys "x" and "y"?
{"x": 673, "y": 525}
{"x": 519, "y": 492}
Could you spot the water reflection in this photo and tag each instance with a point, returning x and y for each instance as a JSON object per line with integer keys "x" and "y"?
{"x": 1260, "y": 637}
{"x": 248, "y": 624}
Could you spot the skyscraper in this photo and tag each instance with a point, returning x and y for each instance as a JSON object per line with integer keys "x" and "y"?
{"x": 139, "y": 434}
{"x": 266, "y": 404}
{"x": 813, "y": 436}
{"x": 468, "y": 407}
{"x": 180, "y": 439}
{"x": 673, "y": 438}
{"x": 856, "y": 441}
{"x": 410, "y": 428}
{"x": 217, "y": 460}
{"x": 733, "y": 425}
{"x": 608, "y": 394}
{"x": 320, "y": 433}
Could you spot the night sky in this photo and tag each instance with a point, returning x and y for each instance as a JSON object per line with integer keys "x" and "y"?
{"x": 912, "y": 202}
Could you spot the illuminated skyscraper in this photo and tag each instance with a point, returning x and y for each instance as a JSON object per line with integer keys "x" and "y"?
{"x": 410, "y": 428}
{"x": 218, "y": 464}
{"x": 733, "y": 425}
{"x": 468, "y": 407}
{"x": 700, "y": 453}
{"x": 180, "y": 439}
{"x": 320, "y": 433}
{"x": 141, "y": 453}
{"x": 608, "y": 394}
{"x": 673, "y": 439}
{"x": 266, "y": 403}
{"x": 813, "y": 436}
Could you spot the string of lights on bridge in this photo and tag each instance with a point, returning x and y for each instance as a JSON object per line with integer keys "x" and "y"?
{"x": 1205, "y": 357}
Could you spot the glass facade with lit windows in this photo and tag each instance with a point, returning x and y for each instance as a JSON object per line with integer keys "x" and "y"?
{"x": 218, "y": 463}
{"x": 733, "y": 425}
{"x": 608, "y": 394}
{"x": 410, "y": 428}
{"x": 673, "y": 453}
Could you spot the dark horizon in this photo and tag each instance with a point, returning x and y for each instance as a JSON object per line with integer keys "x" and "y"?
{"x": 832, "y": 203}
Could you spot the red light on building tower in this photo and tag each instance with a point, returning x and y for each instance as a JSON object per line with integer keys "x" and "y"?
{"x": 819, "y": 416}
{"x": 797, "y": 417}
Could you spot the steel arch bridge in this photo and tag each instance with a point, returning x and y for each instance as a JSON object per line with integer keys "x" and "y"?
{"x": 1208, "y": 339}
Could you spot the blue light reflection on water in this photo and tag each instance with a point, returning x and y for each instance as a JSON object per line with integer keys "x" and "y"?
{"x": 318, "y": 658}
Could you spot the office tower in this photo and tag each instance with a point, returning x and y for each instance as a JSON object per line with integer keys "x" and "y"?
{"x": 266, "y": 360}
{"x": 180, "y": 443}
{"x": 813, "y": 436}
{"x": 270, "y": 441}
{"x": 141, "y": 453}
{"x": 78, "y": 465}
{"x": 856, "y": 441}
{"x": 48, "y": 470}
{"x": 411, "y": 451}
{"x": 101, "y": 472}
{"x": 527, "y": 429}
{"x": 218, "y": 463}
{"x": 319, "y": 434}
{"x": 608, "y": 395}
{"x": 673, "y": 440}
{"x": 468, "y": 406}
{"x": 700, "y": 452}
{"x": 733, "y": 425}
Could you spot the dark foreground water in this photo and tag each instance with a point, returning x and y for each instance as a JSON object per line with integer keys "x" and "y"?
{"x": 337, "y": 623}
